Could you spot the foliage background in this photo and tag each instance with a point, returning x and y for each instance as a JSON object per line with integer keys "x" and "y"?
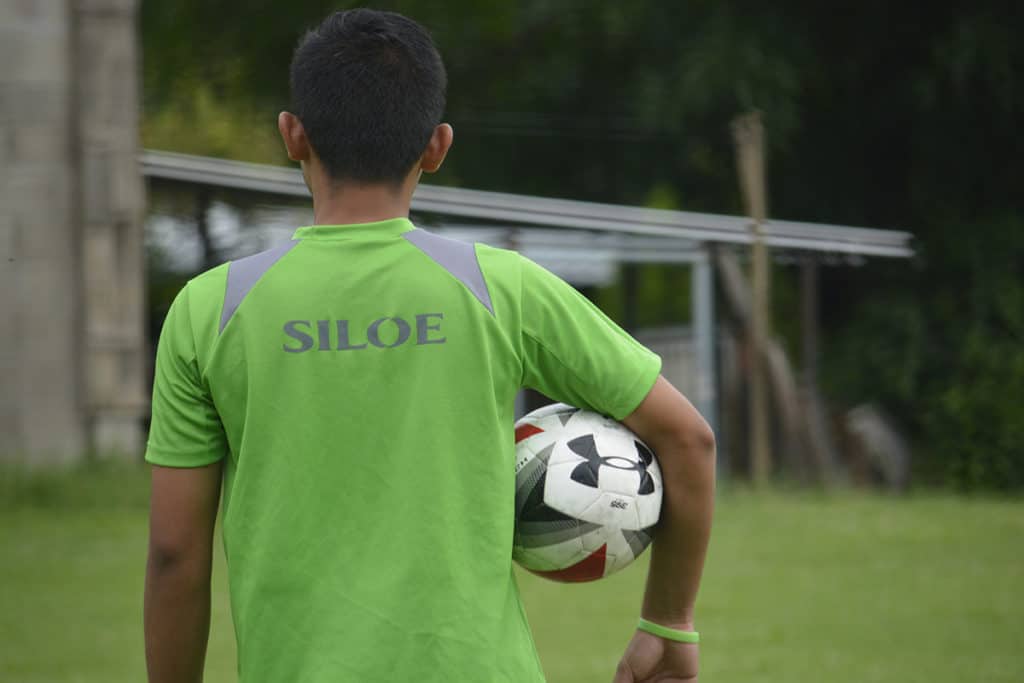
{"x": 882, "y": 114}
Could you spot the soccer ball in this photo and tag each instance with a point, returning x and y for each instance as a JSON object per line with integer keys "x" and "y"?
{"x": 588, "y": 492}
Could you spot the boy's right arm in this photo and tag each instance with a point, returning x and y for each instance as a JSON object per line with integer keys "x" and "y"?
{"x": 685, "y": 446}
{"x": 573, "y": 353}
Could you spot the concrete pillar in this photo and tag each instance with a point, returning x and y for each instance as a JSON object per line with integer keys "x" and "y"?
{"x": 71, "y": 278}
{"x": 112, "y": 209}
{"x": 41, "y": 400}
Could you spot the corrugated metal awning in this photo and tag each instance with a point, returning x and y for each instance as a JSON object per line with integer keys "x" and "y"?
{"x": 528, "y": 210}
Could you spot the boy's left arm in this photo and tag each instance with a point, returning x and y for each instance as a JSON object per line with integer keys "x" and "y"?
{"x": 183, "y": 514}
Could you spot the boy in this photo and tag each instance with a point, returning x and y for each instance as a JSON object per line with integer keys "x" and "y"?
{"x": 352, "y": 393}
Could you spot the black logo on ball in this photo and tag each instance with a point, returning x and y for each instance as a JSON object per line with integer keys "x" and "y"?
{"x": 587, "y": 472}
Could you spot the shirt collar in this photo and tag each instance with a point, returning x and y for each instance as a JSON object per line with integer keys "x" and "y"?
{"x": 377, "y": 230}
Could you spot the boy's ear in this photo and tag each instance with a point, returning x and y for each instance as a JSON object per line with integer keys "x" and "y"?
{"x": 294, "y": 136}
{"x": 437, "y": 148}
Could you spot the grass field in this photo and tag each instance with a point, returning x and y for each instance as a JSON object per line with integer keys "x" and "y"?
{"x": 799, "y": 587}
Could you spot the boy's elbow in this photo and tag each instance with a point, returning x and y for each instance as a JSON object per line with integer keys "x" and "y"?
{"x": 185, "y": 562}
{"x": 695, "y": 437}
{"x": 688, "y": 465}
{"x": 703, "y": 439}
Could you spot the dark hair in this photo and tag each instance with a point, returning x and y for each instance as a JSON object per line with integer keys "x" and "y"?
{"x": 369, "y": 88}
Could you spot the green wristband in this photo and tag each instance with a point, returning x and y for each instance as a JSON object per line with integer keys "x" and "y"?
{"x": 669, "y": 633}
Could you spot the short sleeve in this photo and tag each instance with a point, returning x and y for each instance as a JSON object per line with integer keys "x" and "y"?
{"x": 186, "y": 430}
{"x": 573, "y": 353}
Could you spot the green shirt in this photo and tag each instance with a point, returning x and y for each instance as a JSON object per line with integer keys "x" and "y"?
{"x": 359, "y": 382}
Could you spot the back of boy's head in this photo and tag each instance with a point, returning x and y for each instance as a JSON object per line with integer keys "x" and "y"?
{"x": 369, "y": 88}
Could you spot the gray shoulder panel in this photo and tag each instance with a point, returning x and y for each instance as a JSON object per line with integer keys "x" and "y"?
{"x": 458, "y": 258}
{"x": 243, "y": 275}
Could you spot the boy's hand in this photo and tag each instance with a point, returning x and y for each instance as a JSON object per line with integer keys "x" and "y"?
{"x": 650, "y": 659}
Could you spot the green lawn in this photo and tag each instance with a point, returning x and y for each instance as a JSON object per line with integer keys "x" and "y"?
{"x": 801, "y": 587}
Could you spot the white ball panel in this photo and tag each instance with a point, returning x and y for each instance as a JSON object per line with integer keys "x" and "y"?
{"x": 592, "y": 541}
{"x": 619, "y": 554}
{"x": 562, "y": 454}
{"x": 615, "y": 441}
{"x": 567, "y": 496}
{"x": 613, "y": 511}
{"x": 614, "y": 554}
{"x": 610, "y": 562}
{"x": 648, "y": 508}
{"x": 623, "y": 482}
{"x": 551, "y": 557}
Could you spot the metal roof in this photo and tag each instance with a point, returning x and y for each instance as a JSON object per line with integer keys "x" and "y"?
{"x": 528, "y": 210}
{"x": 583, "y": 257}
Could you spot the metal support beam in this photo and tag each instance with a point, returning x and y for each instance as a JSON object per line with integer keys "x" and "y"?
{"x": 809, "y": 320}
{"x": 702, "y": 294}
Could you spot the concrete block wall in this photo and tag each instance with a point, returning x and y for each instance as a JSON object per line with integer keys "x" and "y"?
{"x": 112, "y": 209}
{"x": 71, "y": 201}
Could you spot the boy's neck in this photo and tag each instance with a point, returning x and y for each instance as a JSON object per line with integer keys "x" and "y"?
{"x": 345, "y": 204}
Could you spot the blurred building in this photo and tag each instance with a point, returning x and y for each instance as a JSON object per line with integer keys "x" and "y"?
{"x": 72, "y": 344}
{"x": 74, "y": 351}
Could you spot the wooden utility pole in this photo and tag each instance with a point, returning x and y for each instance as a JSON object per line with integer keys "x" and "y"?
{"x": 748, "y": 135}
